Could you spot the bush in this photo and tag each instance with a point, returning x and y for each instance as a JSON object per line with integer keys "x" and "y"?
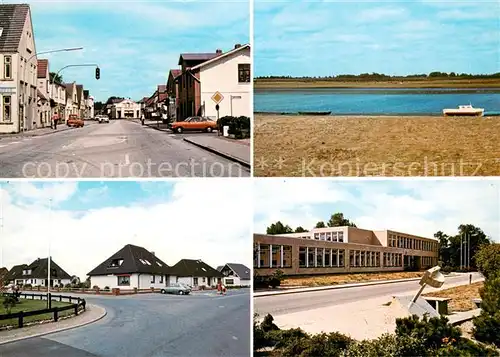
{"x": 488, "y": 260}
{"x": 9, "y": 302}
{"x": 276, "y": 279}
{"x": 95, "y": 287}
{"x": 68, "y": 286}
{"x": 106, "y": 288}
{"x": 27, "y": 286}
{"x": 487, "y": 324}
{"x": 238, "y": 126}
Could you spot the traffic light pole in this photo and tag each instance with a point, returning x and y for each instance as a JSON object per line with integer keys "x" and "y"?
{"x": 97, "y": 72}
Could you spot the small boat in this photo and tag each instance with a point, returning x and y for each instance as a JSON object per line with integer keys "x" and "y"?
{"x": 315, "y": 113}
{"x": 464, "y": 110}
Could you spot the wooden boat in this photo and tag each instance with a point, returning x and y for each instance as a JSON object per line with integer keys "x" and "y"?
{"x": 315, "y": 113}
{"x": 464, "y": 110}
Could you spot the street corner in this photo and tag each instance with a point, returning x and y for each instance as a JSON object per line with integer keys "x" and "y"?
{"x": 92, "y": 314}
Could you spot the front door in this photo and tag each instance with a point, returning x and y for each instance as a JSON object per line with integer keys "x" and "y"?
{"x": 195, "y": 281}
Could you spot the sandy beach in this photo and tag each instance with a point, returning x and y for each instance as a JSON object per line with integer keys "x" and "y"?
{"x": 308, "y": 146}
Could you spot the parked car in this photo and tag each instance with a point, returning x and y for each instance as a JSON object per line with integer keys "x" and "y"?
{"x": 102, "y": 119}
{"x": 74, "y": 121}
{"x": 177, "y": 288}
{"x": 194, "y": 124}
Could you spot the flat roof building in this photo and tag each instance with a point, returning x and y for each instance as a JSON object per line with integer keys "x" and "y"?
{"x": 342, "y": 250}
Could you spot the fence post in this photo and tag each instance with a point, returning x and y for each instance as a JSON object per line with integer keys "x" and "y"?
{"x": 49, "y": 300}
{"x": 76, "y": 309}
{"x": 20, "y": 320}
{"x": 84, "y": 304}
{"x": 60, "y": 297}
{"x": 56, "y": 316}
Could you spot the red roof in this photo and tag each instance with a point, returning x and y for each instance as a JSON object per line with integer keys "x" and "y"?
{"x": 162, "y": 97}
{"x": 43, "y": 65}
{"x": 175, "y": 73}
{"x": 162, "y": 88}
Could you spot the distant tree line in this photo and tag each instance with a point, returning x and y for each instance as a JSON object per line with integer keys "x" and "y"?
{"x": 381, "y": 76}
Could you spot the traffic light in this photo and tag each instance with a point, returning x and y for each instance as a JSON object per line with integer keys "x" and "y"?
{"x": 97, "y": 73}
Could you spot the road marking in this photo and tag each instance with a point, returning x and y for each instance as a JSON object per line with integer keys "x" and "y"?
{"x": 235, "y": 338}
{"x": 15, "y": 142}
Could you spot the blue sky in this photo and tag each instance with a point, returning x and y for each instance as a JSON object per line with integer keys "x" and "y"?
{"x": 92, "y": 220}
{"x": 323, "y": 38}
{"x": 135, "y": 43}
{"x": 420, "y": 207}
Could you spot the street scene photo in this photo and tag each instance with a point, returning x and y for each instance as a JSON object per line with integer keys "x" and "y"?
{"x": 376, "y": 268}
{"x": 97, "y": 89}
{"x": 137, "y": 269}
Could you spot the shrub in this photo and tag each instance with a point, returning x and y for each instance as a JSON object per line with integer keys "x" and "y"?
{"x": 276, "y": 279}
{"x": 9, "y": 302}
{"x": 488, "y": 260}
{"x": 487, "y": 324}
{"x": 67, "y": 286}
{"x": 327, "y": 345}
{"x": 95, "y": 287}
{"x": 238, "y": 126}
{"x": 106, "y": 288}
{"x": 27, "y": 286}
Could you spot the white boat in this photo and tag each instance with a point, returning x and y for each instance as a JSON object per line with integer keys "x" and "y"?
{"x": 464, "y": 110}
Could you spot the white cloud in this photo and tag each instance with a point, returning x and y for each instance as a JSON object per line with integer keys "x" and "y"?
{"x": 416, "y": 207}
{"x": 381, "y": 13}
{"x": 58, "y": 192}
{"x": 206, "y": 219}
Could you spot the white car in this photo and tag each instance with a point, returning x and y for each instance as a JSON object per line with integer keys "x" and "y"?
{"x": 102, "y": 119}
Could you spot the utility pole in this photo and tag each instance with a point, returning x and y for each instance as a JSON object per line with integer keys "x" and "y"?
{"x": 461, "y": 249}
{"x": 49, "y": 304}
{"x": 468, "y": 256}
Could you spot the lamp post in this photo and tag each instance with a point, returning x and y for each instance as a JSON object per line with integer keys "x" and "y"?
{"x": 25, "y": 116}
{"x": 49, "y": 258}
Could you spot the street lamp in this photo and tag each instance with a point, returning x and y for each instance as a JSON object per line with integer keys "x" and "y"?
{"x": 25, "y": 116}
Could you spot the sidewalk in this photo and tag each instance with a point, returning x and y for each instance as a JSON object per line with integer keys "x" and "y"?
{"x": 36, "y": 132}
{"x": 93, "y": 313}
{"x": 234, "y": 150}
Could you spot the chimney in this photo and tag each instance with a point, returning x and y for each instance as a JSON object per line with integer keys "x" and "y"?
{"x": 218, "y": 51}
{"x": 153, "y": 253}
{"x": 238, "y": 45}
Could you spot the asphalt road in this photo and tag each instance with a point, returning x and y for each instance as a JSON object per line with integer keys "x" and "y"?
{"x": 288, "y": 303}
{"x": 119, "y": 149}
{"x": 152, "y": 325}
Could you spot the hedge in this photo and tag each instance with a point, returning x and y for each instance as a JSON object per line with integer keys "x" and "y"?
{"x": 238, "y": 126}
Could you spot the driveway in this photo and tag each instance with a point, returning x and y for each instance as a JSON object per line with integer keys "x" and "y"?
{"x": 152, "y": 325}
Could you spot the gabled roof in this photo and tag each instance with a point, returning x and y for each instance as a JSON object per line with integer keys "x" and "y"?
{"x": 196, "y": 57}
{"x": 191, "y": 267}
{"x": 16, "y": 272}
{"x": 79, "y": 91}
{"x": 129, "y": 260}
{"x": 39, "y": 270}
{"x": 175, "y": 73}
{"x": 12, "y": 20}
{"x": 219, "y": 57}
{"x": 69, "y": 88}
{"x": 241, "y": 270}
{"x": 41, "y": 95}
{"x": 162, "y": 88}
{"x": 43, "y": 65}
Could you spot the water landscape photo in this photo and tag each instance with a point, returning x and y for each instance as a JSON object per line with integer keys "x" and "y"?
{"x": 387, "y": 89}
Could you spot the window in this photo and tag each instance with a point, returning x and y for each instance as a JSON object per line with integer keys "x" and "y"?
{"x": 341, "y": 236}
{"x": 310, "y": 257}
{"x": 302, "y": 257}
{"x": 276, "y": 256}
{"x": 319, "y": 257}
{"x": 203, "y": 280}
{"x": 287, "y": 256}
{"x": 115, "y": 263}
{"x": 229, "y": 281}
{"x": 124, "y": 281}
{"x": 244, "y": 73}
{"x": 264, "y": 256}
{"x": 195, "y": 281}
{"x": 158, "y": 263}
{"x": 328, "y": 255}
{"x": 152, "y": 279}
{"x": 161, "y": 279}
{"x": 7, "y": 67}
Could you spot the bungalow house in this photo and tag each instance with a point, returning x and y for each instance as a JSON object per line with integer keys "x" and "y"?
{"x": 125, "y": 108}
{"x": 43, "y": 93}
{"x": 36, "y": 273}
{"x": 131, "y": 267}
{"x": 222, "y": 79}
{"x": 235, "y": 274}
{"x": 196, "y": 273}
{"x": 18, "y": 69}
{"x": 172, "y": 93}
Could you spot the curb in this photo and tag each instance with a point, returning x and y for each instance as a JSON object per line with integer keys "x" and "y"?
{"x": 216, "y": 152}
{"x": 34, "y": 135}
{"x": 58, "y": 330}
{"x": 340, "y": 286}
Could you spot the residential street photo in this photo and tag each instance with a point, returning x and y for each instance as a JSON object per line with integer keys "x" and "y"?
{"x": 130, "y": 96}
{"x": 346, "y": 268}
{"x": 117, "y": 268}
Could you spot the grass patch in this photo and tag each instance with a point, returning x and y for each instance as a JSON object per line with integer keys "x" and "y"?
{"x": 461, "y": 296}
{"x": 31, "y": 305}
{"x": 294, "y": 145}
{"x": 396, "y": 83}
{"x": 324, "y": 280}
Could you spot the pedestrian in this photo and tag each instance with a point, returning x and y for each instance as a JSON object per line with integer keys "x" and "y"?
{"x": 223, "y": 290}
{"x": 142, "y": 118}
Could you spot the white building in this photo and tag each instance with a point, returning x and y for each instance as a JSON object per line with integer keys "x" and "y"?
{"x": 195, "y": 273}
{"x": 71, "y": 106}
{"x": 35, "y": 274}
{"x": 43, "y": 92}
{"x": 125, "y": 108}
{"x": 58, "y": 94}
{"x": 228, "y": 74}
{"x": 89, "y": 105}
{"x": 18, "y": 69}
{"x": 235, "y": 274}
{"x": 129, "y": 268}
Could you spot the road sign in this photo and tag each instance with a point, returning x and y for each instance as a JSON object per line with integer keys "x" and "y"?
{"x": 217, "y": 97}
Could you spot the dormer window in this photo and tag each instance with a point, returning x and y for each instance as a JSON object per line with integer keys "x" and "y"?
{"x": 1, "y": 31}
{"x": 115, "y": 263}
